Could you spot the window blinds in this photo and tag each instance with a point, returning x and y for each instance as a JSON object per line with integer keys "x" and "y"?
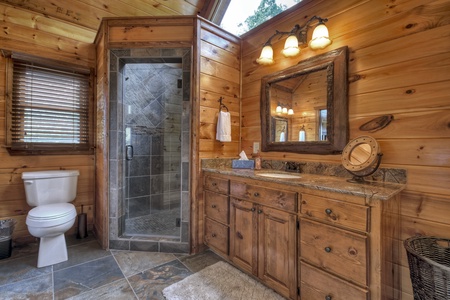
{"x": 50, "y": 108}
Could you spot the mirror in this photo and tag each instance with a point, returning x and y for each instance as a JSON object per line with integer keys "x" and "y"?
{"x": 316, "y": 91}
{"x": 361, "y": 157}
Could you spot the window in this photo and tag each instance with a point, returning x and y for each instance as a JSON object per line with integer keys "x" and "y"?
{"x": 241, "y": 16}
{"x": 49, "y": 110}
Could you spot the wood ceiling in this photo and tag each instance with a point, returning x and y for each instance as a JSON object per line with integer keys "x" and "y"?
{"x": 85, "y": 15}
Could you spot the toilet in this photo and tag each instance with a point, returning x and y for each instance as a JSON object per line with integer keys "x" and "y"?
{"x": 50, "y": 192}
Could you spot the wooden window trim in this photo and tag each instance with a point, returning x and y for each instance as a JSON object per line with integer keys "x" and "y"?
{"x": 46, "y": 148}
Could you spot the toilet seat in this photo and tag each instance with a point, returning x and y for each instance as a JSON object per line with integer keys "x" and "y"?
{"x": 51, "y": 215}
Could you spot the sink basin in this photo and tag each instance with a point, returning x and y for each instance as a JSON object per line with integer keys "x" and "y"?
{"x": 278, "y": 175}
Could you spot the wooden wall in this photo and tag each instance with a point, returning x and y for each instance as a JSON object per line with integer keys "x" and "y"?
{"x": 32, "y": 33}
{"x": 218, "y": 63}
{"x": 399, "y": 64}
{"x": 219, "y": 77}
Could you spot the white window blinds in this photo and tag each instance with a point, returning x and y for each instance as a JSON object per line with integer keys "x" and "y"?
{"x": 50, "y": 108}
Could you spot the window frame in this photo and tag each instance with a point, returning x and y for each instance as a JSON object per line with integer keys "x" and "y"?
{"x": 52, "y": 148}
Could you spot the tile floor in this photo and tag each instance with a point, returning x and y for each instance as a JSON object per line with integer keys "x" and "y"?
{"x": 93, "y": 273}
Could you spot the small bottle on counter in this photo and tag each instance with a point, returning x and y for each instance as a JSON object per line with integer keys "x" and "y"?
{"x": 257, "y": 158}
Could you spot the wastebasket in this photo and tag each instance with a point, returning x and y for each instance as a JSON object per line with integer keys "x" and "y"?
{"x": 429, "y": 267}
{"x": 6, "y": 230}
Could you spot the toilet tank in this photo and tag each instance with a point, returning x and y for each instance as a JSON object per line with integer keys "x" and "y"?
{"x": 49, "y": 187}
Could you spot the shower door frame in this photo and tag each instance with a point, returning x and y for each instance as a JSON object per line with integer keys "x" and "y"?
{"x": 117, "y": 155}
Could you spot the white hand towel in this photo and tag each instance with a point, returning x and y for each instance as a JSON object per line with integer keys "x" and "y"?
{"x": 223, "y": 133}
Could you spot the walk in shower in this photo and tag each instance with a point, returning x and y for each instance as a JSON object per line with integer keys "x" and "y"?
{"x": 149, "y": 149}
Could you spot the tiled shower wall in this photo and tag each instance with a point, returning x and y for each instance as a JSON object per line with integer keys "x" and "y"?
{"x": 141, "y": 123}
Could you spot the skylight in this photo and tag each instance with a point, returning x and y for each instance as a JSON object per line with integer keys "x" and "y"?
{"x": 238, "y": 11}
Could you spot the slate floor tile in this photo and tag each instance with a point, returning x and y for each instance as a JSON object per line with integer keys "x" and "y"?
{"x": 149, "y": 284}
{"x": 84, "y": 277}
{"x": 33, "y": 288}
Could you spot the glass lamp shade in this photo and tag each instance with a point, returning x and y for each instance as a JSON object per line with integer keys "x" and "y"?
{"x": 266, "y": 57}
{"x": 291, "y": 46}
{"x": 290, "y": 111}
{"x": 285, "y": 110}
{"x": 279, "y": 109}
{"x": 320, "y": 38}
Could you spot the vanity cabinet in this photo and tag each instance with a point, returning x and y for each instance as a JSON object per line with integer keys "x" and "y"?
{"x": 217, "y": 220}
{"x": 306, "y": 243}
{"x": 346, "y": 247}
{"x": 263, "y": 229}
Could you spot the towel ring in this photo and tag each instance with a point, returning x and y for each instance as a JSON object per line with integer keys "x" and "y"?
{"x": 222, "y": 105}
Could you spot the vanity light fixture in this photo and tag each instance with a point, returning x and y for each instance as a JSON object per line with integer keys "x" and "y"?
{"x": 296, "y": 39}
{"x": 283, "y": 109}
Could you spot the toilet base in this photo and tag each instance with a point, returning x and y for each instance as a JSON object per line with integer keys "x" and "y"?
{"x": 52, "y": 250}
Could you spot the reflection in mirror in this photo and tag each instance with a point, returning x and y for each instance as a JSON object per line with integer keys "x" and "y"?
{"x": 306, "y": 95}
{"x": 360, "y": 154}
{"x": 312, "y": 98}
{"x": 280, "y": 129}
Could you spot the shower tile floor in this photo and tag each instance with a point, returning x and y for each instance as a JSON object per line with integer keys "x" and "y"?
{"x": 93, "y": 273}
{"x": 162, "y": 223}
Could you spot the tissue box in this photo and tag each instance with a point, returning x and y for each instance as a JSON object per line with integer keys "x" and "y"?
{"x": 242, "y": 164}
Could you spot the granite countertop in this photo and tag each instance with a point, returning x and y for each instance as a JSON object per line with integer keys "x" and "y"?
{"x": 368, "y": 189}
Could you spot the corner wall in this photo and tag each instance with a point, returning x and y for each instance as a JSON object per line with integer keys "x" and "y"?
{"x": 399, "y": 64}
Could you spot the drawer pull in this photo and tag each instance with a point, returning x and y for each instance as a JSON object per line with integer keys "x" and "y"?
{"x": 328, "y": 297}
{"x": 213, "y": 206}
{"x": 213, "y": 235}
{"x": 253, "y": 209}
{"x": 328, "y": 211}
{"x": 260, "y": 211}
{"x": 214, "y": 184}
{"x": 327, "y": 249}
{"x": 256, "y": 194}
{"x": 239, "y": 235}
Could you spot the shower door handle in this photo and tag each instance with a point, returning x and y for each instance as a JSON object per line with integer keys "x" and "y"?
{"x": 129, "y": 152}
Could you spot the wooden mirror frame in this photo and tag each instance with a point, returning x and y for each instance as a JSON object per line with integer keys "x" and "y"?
{"x": 335, "y": 62}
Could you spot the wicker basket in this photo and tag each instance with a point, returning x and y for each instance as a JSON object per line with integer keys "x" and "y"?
{"x": 429, "y": 266}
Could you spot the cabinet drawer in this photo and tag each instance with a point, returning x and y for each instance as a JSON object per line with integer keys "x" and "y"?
{"x": 216, "y": 184}
{"x": 286, "y": 200}
{"x": 217, "y": 207}
{"x": 216, "y": 235}
{"x": 317, "y": 284}
{"x": 336, "y": 212}
{"x": 339, "y": 251}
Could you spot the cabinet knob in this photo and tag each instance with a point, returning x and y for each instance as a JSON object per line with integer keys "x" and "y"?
{"x": 328, "y": 211}
{"x": 213, "y": 206}
{"x": 260, "y": 211}
{"x": 328, "y": 297}
{"x": 214, "y": 183}
{"x": 213, "y": 235}
{"x": 256, "y": 194}
{"x": 253, "y": 209}
{"x": 327, "y": 249}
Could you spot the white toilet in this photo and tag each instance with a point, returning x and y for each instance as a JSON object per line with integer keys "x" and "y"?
{"x": 50, "y": 192}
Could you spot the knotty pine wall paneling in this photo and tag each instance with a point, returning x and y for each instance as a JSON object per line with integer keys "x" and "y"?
{"x": 219, "y": 75}
{"x": 399, "y": 65}
{"x": 35, "y": 34}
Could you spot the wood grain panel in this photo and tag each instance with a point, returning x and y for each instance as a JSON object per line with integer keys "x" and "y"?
{"x": 222, "y": 71}
{"x": 420, "y": 97}
{"x": 151, "y": 33}
{"x": 214, "y": 52}
{"x": 424, "y": 124}
{"x": 39, "y": 21}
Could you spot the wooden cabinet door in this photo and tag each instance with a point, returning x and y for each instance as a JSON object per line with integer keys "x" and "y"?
{"x": 277, "y": 250}
{"x": 243, "y": 235}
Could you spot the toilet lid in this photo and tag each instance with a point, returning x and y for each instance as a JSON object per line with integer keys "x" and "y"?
{"x": 51, "y": 214}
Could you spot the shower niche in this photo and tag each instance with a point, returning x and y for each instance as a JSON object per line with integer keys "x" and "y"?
{"x": 149, "y": 144}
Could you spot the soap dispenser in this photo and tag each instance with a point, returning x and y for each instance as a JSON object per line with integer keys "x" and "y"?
{"x": 257, "y": 157}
